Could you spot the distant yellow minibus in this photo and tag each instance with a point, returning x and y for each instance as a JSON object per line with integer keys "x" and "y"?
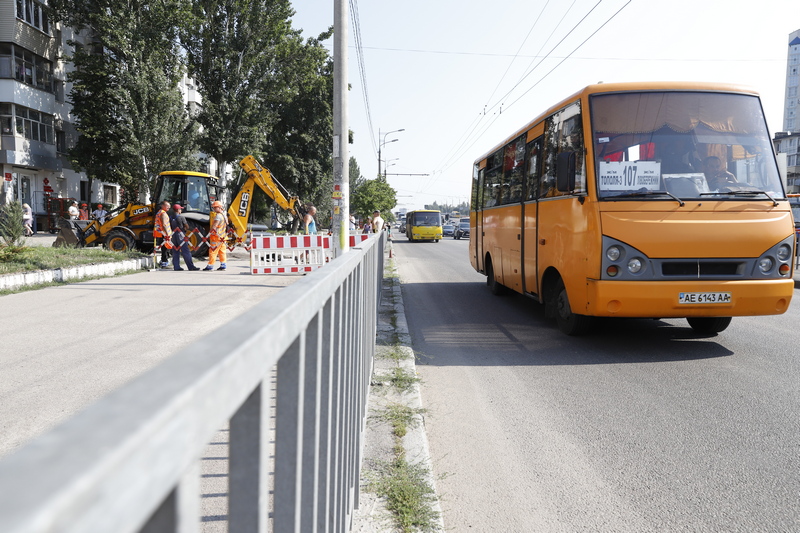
{"x": 657, "y": 200}
{"x": 424, "y": 225}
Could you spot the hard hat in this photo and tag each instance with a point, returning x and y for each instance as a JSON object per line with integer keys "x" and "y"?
{"x": 216, "y": 203}
{"x": 177, "y": 207}
{"x": 99, "y": 206}
{"x": 83, "y": 205}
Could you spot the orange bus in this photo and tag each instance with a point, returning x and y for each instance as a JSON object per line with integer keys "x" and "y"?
{"x": 658, "y": 200}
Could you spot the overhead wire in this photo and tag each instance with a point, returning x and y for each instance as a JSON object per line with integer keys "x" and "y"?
{"x": 362, "y": 69}
{"x": 474, "y": 135}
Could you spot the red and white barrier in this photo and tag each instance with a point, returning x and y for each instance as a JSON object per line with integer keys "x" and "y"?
{"x": 287, "y": 254}
{"x": 290, "y": 254}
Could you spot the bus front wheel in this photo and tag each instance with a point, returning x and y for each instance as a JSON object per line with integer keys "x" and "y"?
{"x": 707, "y": 324}
{"x": 568, "y": 322}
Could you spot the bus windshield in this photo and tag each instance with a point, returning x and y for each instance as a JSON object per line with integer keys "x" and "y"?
{"x": 427, "y": 219}
{"x": 660, "y": 146}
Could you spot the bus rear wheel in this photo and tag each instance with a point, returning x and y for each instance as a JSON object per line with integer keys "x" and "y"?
{"x": 495, "y": 287}
{"x": 568, "y": 322}
{"x": 709, "y": 324}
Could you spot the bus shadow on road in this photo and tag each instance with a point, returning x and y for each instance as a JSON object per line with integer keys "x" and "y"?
{"x": 513, "y": 330}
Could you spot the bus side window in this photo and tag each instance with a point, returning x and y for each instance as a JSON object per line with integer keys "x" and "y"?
{"x": 533, "y": 168}
{"x": 513, "y": 164}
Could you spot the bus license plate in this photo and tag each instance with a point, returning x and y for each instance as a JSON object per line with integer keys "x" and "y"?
{"x": 704, "y": 297}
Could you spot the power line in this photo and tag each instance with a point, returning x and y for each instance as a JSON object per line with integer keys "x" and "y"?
{"x": 362, "y": 69}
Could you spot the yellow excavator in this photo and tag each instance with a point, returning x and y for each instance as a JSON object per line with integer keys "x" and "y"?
{"x": 131, "y": 226}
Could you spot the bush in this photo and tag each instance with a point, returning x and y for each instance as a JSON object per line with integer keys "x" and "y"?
{"x": 11, "y": 229}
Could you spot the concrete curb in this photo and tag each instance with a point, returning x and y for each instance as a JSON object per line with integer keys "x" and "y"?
{"x": 23, "y": 279}
{"x": 372, "y": 516}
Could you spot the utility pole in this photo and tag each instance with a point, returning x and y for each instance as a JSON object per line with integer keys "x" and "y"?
{"x": 341, "y": 160}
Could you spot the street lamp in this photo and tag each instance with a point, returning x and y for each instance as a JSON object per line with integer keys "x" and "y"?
{"x": 383, "y": 142}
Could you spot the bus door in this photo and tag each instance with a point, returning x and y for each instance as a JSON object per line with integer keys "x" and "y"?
{"x": 530, "y": 212}
{"x": 509, "y": 236}
{"x": 476, "y": 233}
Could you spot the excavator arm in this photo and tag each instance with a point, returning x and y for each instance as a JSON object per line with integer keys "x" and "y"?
{"x": 258, "y": 176}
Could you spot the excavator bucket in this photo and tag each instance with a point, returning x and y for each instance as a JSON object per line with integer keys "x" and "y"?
{"x": 68, "y": 234}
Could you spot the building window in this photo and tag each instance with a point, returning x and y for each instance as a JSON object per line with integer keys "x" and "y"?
{"x": 33, "y": 125}
{"x": 109, "y": 195}
{"x": 32, "y": 13}
{"x": 61, "y": 142}
{"x": 6, "y": 119}
{"x": 31, "y": 69}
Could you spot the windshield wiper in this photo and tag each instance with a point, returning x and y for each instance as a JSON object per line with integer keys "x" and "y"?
{"x": 646, "y": 193}
{"x": 748, "y": 192}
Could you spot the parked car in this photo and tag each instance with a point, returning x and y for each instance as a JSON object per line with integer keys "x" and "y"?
{"x": 462, "y": 230}
{"x": 448, "y": 229}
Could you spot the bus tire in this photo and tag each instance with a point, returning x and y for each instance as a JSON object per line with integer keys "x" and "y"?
{"x": 495, "y": 287}
{"x": 568, "y": 322}
{"x": 709, "y": 324}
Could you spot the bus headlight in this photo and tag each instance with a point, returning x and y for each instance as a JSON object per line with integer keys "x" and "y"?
{"x": 613, "y": 253}
{"x": 635, "y": 265}
{"x": 784, "y": 252}
{"x": 765, "y": 264}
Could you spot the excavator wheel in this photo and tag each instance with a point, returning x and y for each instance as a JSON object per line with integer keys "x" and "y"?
{"x": 119, "y": 241}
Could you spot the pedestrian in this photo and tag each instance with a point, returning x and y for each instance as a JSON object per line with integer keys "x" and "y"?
{"x": 180, "y": 246}
{"x": 377, "y": 222}
{"x": 367, "y": 228}
{"x": 100, "y": 214}
{"x": 352, "y": 224}
{"x": 27, "y": 219}
{"x": 73, "y": 211}
{"x": 217, "y": 234}
{"x": 309, "y": 224}
{"x": 83, "y": 212}
{"x": 162, "y": 231}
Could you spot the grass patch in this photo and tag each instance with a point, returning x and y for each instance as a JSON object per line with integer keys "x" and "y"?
{"x": 31, "y": 258}
{"x": 399, "y": 378}
{"x": 408, "y": 495}
{"x": 395, "y": 354}
{"x": 400, "y": 417}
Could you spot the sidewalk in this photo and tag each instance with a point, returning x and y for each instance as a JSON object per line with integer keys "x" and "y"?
{"x": 392, "y": 351}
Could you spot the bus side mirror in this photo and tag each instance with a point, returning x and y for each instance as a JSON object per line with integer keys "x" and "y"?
{"x": 565, "y": 172}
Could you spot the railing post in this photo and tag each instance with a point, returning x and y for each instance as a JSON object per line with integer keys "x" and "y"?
{"x": 248, "y": 486}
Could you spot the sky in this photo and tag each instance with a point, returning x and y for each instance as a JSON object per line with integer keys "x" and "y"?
{"x": 459, "y": 76}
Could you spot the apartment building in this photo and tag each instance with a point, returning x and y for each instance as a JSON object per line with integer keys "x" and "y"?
{"x": 788, "y": 141}
{"x": 36, "y": 128}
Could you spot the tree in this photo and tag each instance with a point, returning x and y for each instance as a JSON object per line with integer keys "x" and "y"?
{"x": 372, "y": 195}
{"x": 356, "y": 179}
{"x": 236, "y": 50}
{"x": 299, "y": 147}
{"x": 125, "y": 97}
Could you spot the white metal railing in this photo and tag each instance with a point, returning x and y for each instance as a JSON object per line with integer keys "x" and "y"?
{"x": 130, "y": 462}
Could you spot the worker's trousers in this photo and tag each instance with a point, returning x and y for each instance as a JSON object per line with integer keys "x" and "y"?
{"x": 216, "y": 246}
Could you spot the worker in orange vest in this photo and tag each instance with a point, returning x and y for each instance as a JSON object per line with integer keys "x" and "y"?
{"x": 83, "y": 212}
{"x": 217, "y": 235}
{"x": 162, "y": 231}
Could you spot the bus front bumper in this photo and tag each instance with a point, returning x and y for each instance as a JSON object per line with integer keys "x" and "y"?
{"x": 680, "y": 299}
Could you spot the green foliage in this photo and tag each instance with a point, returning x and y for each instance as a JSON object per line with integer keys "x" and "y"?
{"x": 298, "y": 148}
{"x": 125, "y": 94}
{"x": 372, "y": 195}
{"x": 11, "y": 229}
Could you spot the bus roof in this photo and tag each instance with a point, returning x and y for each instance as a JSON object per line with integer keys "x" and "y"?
{"x": 600, "y": 88}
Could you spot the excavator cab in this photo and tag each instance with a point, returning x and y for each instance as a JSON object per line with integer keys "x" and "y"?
{"x": 193, "y": 190}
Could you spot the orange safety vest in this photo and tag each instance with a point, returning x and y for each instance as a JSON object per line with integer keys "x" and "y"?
{"x": 219, "y": 227}
{"x": 161, "y": 227}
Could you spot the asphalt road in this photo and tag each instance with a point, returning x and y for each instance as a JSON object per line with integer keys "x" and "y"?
{"x": 642, "y": 426}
